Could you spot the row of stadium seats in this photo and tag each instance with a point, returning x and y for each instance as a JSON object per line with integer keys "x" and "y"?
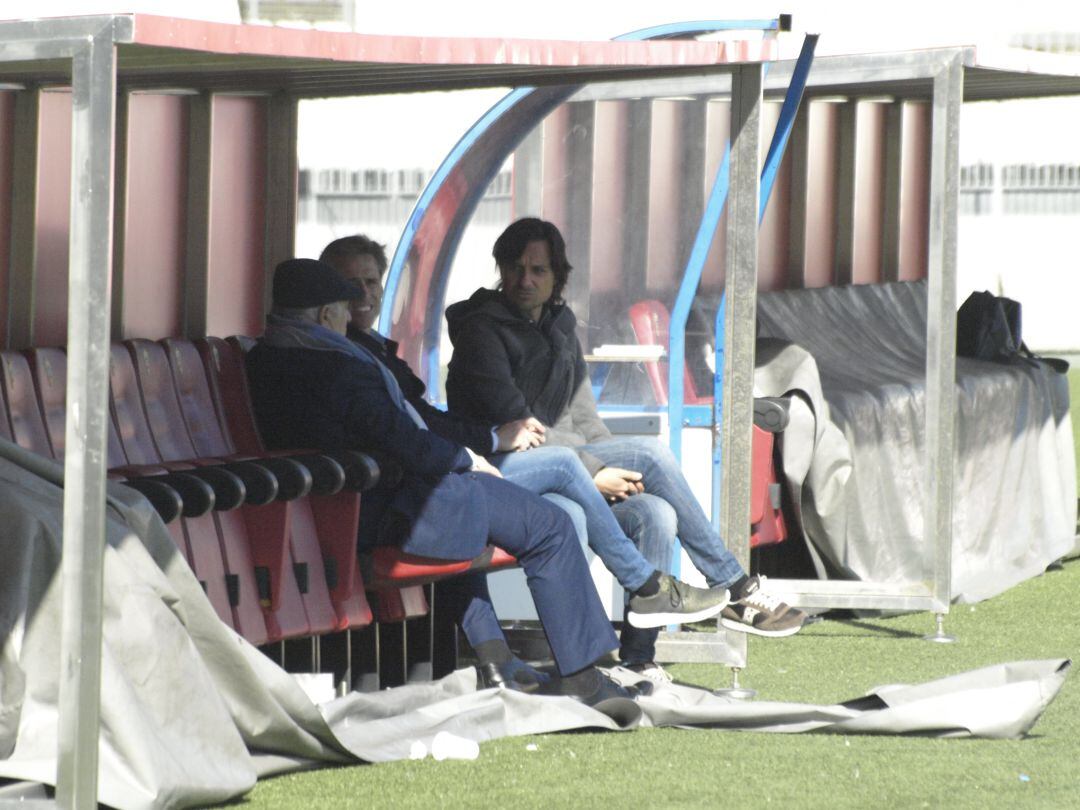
{"x": 271, "y": 536}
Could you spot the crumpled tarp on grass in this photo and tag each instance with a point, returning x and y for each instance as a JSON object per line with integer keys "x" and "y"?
{"x": 191, "y": 714}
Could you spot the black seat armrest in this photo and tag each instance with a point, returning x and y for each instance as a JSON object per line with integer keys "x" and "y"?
{"x": 229, "y": 490}
{"x": 165, "y": 499}
{"x": 196, "y": 494}
{"x": 328, "y": 475}
{"x": 294, "y": 479}
{"x": 772, "y": 414}
{"x": 362, "y": 472}
{"x": 261, "y": 484}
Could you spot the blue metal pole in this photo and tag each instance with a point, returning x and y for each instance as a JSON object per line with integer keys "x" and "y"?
{"x": 470, "y": 138}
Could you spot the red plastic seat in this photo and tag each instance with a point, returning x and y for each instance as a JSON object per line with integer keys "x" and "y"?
{"x": 27, "y": 426}
{"x": 651, "y": 323}
{"x": 300, "y": 604}
{"x": 390, "y": 567}
{"x": 326, "y": 523}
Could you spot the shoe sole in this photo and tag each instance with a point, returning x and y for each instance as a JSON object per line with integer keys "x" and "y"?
{"x": 645, "y": 621}
{"x": 742, "y": 627}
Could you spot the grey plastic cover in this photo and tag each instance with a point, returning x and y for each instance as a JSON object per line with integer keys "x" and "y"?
{"x": 856, "y": 359}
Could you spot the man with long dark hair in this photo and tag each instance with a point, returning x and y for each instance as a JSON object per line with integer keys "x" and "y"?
{"x": 516, "y": 355}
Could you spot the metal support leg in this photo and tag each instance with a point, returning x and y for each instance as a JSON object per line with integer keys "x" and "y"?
{"x": 736, "y": 690}
{"x": 939, "y": 635}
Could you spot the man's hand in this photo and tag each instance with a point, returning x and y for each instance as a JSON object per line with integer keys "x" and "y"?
{"x": 616, "y": 484}
{"x": 521, "y": 434}
{"x": 481, "y": 464}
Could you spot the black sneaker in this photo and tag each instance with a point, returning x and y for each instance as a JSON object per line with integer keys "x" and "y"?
{"x": 676, "y": 603}
{"x": 761, "y": 614}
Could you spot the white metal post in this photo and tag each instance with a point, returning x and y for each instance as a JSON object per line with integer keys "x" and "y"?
{"x": 740, "y": 291}
{"x": 941, "y": 326}
{"x": 93, "y": 110}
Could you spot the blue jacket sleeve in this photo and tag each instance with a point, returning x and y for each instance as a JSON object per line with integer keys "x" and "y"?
{"x": 374, "y": 422}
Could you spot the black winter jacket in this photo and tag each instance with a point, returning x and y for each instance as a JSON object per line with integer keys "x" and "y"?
{"x": 506, "y": 367}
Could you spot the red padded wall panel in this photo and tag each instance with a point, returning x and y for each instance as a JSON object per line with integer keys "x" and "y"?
{"x": 609, "y": 196}
{"x": 553, "y": 201}
{"x": 717, "y": 131}
{"x": 53, "y": 219}
{"x": 915, "y": 192}
{"x": 237, "y": 217}
{"x": 821, "y": 194}
{"x": 776, "y": 226}
{"x": 663, "y": 268}
{"x": 154, "y": 238}
{"x": 869, "y": 182}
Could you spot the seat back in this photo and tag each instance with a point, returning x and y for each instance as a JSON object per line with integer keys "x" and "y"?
{"x": 132, "y": 429}
{"x": 208, "y": 432}
{"x": 27, "y": 425}
{"x": 160, "y": 404}
{"x": 49, "y": 369}
{"x": 651, "y": 323}
{"x": 227, "y": 380}
{"x": 5, "y": 420}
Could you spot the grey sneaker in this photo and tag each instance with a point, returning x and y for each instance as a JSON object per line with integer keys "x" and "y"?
{"x": 761, "y": 614}
{"x": 676, "y": 603}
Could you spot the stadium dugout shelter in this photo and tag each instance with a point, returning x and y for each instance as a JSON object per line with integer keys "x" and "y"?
{"x": 150, "y": 174}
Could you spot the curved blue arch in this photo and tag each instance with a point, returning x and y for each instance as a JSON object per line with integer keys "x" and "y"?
{"x": 482, "y": 150}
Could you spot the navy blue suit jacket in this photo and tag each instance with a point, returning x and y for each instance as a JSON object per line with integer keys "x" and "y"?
{"x": 330, "y": 401}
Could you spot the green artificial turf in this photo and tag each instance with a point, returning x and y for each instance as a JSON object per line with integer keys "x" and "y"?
{"x": 828, "y": 662}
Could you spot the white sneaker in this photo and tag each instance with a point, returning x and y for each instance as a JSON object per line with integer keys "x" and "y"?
{"x": 651, "y": 670}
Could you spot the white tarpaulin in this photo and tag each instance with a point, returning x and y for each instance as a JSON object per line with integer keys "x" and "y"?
{"x": 191, "y": 714}
{"x": 861, "y": 501}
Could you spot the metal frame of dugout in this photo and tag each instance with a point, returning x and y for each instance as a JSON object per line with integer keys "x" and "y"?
{"x": 945, "y": 77}
{"x": 102, "y": 57}
{"x": 84, "y": 52}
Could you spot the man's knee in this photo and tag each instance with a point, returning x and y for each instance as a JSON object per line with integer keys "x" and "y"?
{"x": 656, "y": 449}
{"x": 650, "y": 522}
{"x": 555, "y": 522}
{"x": 574, "y": 511}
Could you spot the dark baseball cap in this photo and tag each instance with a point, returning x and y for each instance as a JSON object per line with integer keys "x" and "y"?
{"x": 304, "y": 283}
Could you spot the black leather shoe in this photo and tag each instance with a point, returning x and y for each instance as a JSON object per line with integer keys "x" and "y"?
{"x": 514, "y": 674}
{"x": 599, "y": 687}
{"x": 604, "y": 695}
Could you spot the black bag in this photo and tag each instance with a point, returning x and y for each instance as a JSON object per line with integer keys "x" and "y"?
{"x": 988, "y": 327}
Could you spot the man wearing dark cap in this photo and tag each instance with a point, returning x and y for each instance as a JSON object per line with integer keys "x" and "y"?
{"x": 312, "y": 387}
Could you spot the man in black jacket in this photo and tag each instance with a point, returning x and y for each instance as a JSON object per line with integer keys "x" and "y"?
{"x": 516, "y": 355}
{"x": 312, "y": 387}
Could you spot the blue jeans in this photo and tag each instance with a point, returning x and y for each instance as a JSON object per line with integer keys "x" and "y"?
{"x": 663, "y": 478}
{"x": 558, "y": 470}
{"x": 632, "y": 538}
{"x": 649, "y": 522}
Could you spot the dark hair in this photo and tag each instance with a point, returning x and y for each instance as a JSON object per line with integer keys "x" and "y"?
{"x": 357, "y": 245}
{"x": 511, "y": 244}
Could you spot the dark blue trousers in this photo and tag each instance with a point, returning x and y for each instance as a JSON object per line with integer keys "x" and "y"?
{"x": 542, "y": 538}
